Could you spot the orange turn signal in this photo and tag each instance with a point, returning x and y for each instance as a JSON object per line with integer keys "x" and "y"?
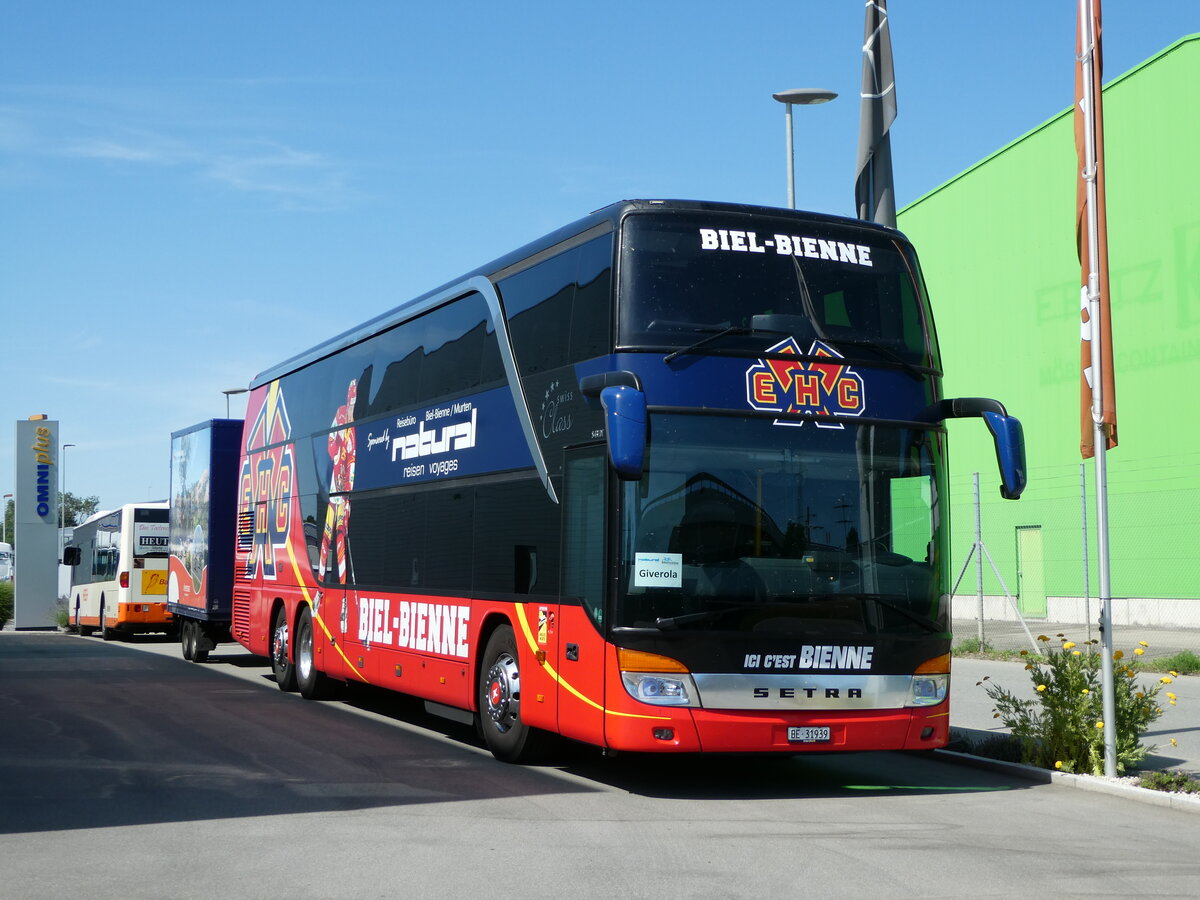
{"x": 641, "y": 661}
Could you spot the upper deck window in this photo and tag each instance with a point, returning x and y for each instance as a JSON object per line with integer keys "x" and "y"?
{"x": 687, "y": 276}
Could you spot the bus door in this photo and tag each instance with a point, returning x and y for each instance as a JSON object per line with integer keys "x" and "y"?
{"x": 581, "y": 646}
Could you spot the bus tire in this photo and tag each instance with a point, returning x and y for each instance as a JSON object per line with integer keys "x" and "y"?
{"x": 84, "y": 630}
{"x": 312, "y": 682}
{"x": 106, "y": 633}
{"x": 185, "y": 640}
{"x": 504, "y": 732}
{"x": 281, "y": 659}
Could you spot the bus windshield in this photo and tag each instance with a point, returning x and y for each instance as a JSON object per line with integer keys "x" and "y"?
{"x": 745, "y": 525}
{"x": 685, "y": 277}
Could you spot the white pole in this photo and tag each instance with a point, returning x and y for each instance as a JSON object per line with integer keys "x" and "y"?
{"x": 791, "y": 162}
{"x": 979, "y": 563}
{"x": 1099, "y": 437}
{"x": 1087, "y": 587}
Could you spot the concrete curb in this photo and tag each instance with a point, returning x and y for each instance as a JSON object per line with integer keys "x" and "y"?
{"x": 1182, "y": 802}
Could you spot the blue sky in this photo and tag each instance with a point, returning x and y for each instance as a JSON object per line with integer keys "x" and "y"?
{"x": 192, "y": 193}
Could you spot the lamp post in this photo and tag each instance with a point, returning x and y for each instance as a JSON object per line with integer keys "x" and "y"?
{"x": 227, "y": 395}
{"x": 62, "y": 500}
{"x": 798, "y": 97}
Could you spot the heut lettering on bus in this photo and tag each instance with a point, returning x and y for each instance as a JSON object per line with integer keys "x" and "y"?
{"x": 271, "y": 493}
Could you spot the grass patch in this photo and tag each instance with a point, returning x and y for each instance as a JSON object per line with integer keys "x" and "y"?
{"x": 1172, "y": 782}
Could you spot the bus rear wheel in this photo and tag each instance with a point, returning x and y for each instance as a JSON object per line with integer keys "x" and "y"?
{"x": 313, "y": 683}
{"x": 281, "y": 658}
{"x": 504, "y": 732}
{"x": 187, "y": 640}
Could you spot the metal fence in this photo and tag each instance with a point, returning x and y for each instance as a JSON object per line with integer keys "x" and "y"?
{"x": 1029, "y": 568}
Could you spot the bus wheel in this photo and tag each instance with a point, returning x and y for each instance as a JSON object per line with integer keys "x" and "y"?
{"x": 199, "y": 652}
{"x": 313, "y": 683}
{"x": 281, "y": 660}
{"x": 106, "y": 633}
{"x": 505, "y": 734}
{"x": 186, "y": 645}
{"x": 84, "y": 630}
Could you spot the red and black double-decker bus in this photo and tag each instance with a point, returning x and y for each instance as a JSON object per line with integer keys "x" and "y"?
{"x": 671, "y": 478}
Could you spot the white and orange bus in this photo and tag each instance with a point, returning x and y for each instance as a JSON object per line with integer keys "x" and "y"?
{"x": 118, "y": 565}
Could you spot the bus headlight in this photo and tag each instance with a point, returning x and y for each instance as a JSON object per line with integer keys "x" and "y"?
{"x": 656, "y": 679}
{"x": 928, "y": 690}
{"x": 661, "y": 690}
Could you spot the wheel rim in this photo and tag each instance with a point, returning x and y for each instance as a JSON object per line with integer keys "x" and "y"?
{"x": 503, "y": 693}
{"x": 304, "y": 651}
{"x": 279, "y": 648}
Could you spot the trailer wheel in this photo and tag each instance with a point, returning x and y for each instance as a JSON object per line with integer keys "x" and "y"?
{"x": 313, "y": 683}
{"x": 281, "y": 659}
{"x": 199, "y": 653}
{"x": 187, "y": 639}
{"x": 504, "y": 732}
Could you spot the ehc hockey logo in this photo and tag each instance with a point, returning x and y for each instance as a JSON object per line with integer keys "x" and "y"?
{"x": 796, "y": 386}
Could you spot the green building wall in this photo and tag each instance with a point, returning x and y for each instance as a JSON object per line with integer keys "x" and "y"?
{"x": 998, "y": 248}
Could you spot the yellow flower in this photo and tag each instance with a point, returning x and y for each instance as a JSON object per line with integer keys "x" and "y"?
{"x": 1024, "y": 652}
{"x": 1173, "y": 674}
{"x": 1174, "y": 743}
{"x": 1058, "y": 764}
{"x": 1158, "y": 711}
{"x": 1120, "y": 654}
{"x": 1028, "y": 666}
{"x": 1085, "y": 691}
{"x": 1139, "y": 695}
{"x": 1042, "y": 637}
{"x": 1171, "y": 696}
{"x": 1143, "y": 644}
{"x": 1173, "y": 703}
{"x": 1166, "y": 679}
{"x": 1067, "y": 645}
{"x": 1099, "y": 724}
{"x": 1139, "y": 651}
{"x": 1041, "y": 687}
{"x": 1076, "y": 652}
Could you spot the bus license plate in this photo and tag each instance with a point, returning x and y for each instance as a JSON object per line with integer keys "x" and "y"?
{"x": 808, "y": 735}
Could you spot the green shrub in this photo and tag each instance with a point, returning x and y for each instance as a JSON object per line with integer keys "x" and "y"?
{"x": 1063, "y": 728}
{"x": 6, "y": 602}
{"x": 1169, "y": 781}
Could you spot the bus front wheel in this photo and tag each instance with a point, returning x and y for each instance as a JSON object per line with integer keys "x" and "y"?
{"x": 281, "y": 658}
{"x": 504, "y": 732}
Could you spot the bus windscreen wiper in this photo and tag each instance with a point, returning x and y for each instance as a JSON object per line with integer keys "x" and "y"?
{"x": 688, "y": 618}
{"x": 722, "y": 332}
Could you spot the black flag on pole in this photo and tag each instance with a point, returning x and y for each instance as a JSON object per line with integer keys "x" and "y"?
{"x": 874, "y": 193}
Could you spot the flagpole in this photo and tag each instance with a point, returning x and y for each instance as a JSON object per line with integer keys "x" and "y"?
{"x": 1099, "y": 433}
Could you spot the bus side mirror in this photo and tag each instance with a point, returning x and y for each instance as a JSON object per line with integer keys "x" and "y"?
{"x": 70, "y": 556}
{"x": 625, "y": 421}
{"x": 1010, "y": 452}
{"x": 1006, "y": 431}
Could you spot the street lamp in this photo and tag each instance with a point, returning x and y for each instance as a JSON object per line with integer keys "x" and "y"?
{"x": 227, "y": 395}
{"x": 798, "y": 97}
{"x": 62, "y": 500}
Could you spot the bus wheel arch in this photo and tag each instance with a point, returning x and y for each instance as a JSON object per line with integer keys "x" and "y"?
{"x": 499, "y": 698}
{"x": 282, "y": 662}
